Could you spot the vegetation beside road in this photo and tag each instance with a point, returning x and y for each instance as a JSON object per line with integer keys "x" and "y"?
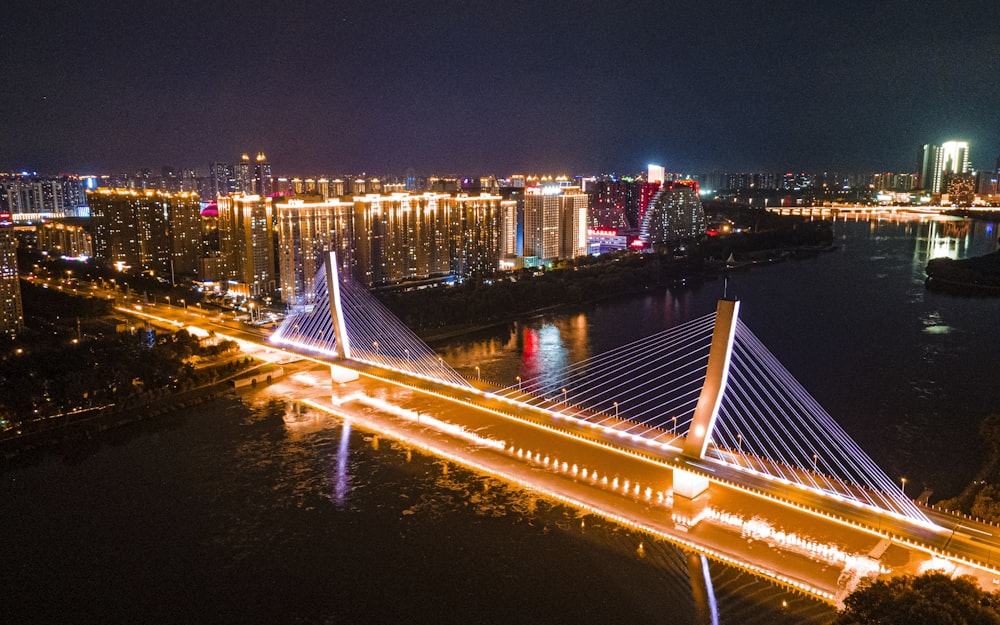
{"x": 981, "y": 498}
{"x": 930, "y": 598}
{"x": 71, "y": 361}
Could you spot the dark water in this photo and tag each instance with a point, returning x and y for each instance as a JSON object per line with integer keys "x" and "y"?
{"x": 224, "y": 514}
{"x": 908, "y": 373}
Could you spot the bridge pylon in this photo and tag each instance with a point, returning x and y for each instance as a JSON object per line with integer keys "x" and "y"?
{"x": 706, "y": 412}
{"x": 342, "y": 346}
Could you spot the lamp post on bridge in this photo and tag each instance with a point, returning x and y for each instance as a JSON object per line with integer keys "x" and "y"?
{"x": 815, "y": 463}
{"x": 478, "y": 376}
{"x": 616, "y": 409}
{"x": 902, "y": 488}
{"x": 518, "y": 378}
{"x": 739, "y": 445}
{"x": 564, "y": 391}
{"x": 673, "y": 430}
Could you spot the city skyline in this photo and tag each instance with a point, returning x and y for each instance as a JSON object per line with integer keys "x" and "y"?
{"x": 452, "y": 88}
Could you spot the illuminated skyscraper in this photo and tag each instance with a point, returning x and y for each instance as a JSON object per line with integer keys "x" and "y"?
{"x": 223, "y": 179}
{"x": 246, "y": 244}
{"x": 146, "y": 230}
{"x": 306, "y": 232}
{"x": 674, "y": 214}
{"x": 262, "y": 181}
{"x": 656, "y": 174}
{"x": 11, "y": 314}
{"x": 573, "y": 223}
{"x": 243, "y": 173}
{"x": 555, "y": 223}
{"x": 937, "y": 162}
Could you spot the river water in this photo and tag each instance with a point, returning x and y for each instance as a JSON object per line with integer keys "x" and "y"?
{"x": 226, "y": 514}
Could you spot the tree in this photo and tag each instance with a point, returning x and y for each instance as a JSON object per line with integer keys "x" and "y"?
{"x": 930, "y": 599}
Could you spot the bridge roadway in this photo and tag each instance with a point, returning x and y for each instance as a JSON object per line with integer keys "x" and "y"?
{"x": 743, "y": 519}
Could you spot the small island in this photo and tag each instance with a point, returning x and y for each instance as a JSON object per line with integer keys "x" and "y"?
{"x": 979, "y": 275}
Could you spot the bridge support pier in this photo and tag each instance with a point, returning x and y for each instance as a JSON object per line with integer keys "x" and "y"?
{"x": 342, "y": 375}
{"x": 689, "y": 485}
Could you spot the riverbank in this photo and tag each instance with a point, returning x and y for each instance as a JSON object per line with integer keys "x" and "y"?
{"x": 85, "y": 425}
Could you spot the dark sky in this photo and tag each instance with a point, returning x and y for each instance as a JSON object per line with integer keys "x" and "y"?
{"x": 497, "y": 86}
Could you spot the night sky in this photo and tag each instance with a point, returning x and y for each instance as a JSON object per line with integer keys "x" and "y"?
{"x": 498, "y": 86}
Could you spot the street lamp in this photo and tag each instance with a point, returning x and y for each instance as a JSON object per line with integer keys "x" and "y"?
{"x": 184, "y": 304}
{"x": 518, "y": 378}
{"x": 478, "y": 377}
{"x": 673, "y": 430}
{"x": 902, "y": 481}
{"x": 615, "y": 404}
{"x": 739, "y": 444}
{"x": 815, "y": 462}
{"x": 564, "y": 395}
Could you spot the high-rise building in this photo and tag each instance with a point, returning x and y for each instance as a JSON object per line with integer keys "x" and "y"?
{"x": 243, "y": 172}
{"x": 223, "y": 179}
{"x": 938, "y": 162}
{"x": 573, "y": 223}
{"x": 656, "y": 174}
{"x": 385, "y": 239}
{"x": 961, "y": 189}
{"x": 33, "y": 198}
{"x": 674, "y": 214}
{"x": 11, "y": 313}
{"x": 246, "y": 244}
{"x": 263, "y": 183}
{"x": 307, "y": 231}
{"x": 64, "y": 240}
{"x": 555, "y": 222}
{"x": 146, "y": 230}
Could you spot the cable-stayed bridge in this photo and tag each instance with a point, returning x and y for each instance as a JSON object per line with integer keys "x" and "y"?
{"x": 705, "y": 400}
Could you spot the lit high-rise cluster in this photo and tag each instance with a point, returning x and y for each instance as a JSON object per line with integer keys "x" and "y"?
{"x": 939, "y": 162}
{"x": 384, "y": 239}
{"x": 146, "y": 230}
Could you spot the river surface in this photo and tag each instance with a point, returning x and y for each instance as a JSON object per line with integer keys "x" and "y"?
{"x": 226, "y": 514}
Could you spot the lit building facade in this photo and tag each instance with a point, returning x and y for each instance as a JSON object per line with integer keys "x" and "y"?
{"x": 246, "y": 244}
{"x": 555, "y": 223}
{"x": 307, "y": 231}
{"x": 11, "y": 313}
{"x": 938, "y": 162}
{"x": 674, "y": 214}
{"x": 384, "y": 239}
{"x": 148, "y": 230}
{"x": 58, "y": 239}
